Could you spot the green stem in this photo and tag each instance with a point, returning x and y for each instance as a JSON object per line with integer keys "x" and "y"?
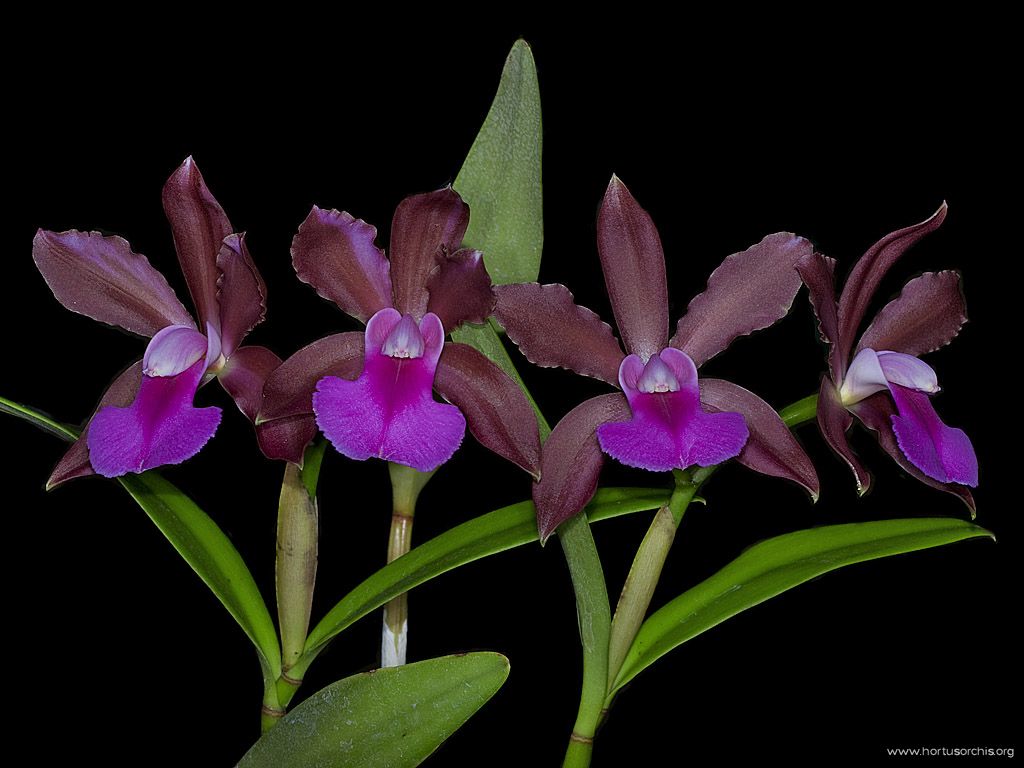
{"x": 594, "y": 616}
{"x": 644, "y": 574}
{"x": 406, "y": 484}
{"x": 297, "y": 533}
{"x": 800, "y": 412}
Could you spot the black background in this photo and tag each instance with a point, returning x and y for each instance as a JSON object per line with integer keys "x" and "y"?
{"x": 118, "y": 651}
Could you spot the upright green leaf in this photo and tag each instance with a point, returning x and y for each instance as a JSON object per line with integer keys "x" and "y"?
{"x": 391, "y": 717}
{"x": 501, "y": 177}
{"x": 776, "y": 565}
{"x": 202, "y": 544}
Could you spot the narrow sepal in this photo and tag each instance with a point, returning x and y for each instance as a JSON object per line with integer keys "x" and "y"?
{"x": 571, "y": 461}
{"x": 553, "y": 331}
{"x": 749, "y": 291}
{"x": 499, "y": 415}
{"x": 633, "y": 263}
{"x": 102, "y": 278}
{"x": 927, "y": 314}
{"x": 199, "y": 226}
{"x": 771, "y": 448}
{"x": 289, "y": 389}
{"x": 868, "y": 272}
{"x": 336, "y": 254}
{"x": 241, "y": 293}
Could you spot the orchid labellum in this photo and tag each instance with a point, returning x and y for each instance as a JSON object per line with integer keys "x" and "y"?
{"x": 665, "y": 417}
{"x": 879, "y": 377}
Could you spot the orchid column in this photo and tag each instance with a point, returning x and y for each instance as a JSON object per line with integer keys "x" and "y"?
{"x": 371, "y": 393}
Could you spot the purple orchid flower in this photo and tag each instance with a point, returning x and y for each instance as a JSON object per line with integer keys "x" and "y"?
{"x": 885, "y": 385}
{"x": 146, "y": 418}
{"x": 371, "y": 392}
{"x": 667, "y": 418}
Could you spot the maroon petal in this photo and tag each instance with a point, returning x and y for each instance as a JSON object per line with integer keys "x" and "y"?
{"x": 818, "y": 273}
{"x": 424, "y": 227}
{"x": 102, "y": 278}
{"x": 75, "y": 463}
{"x": 288, "y": 391}
{"x": 771, "y": 448}
{"x": 571, "y": 461}
{"x": 876, "y": 413}
{"x": 286, "y": 439}
{"x": 749, "y": 291}
{"x": 199, "y": 226}
{"x": 241, "y": 293}
{"x": 498, "y": 413}
{"x": 244, "y": 375}
{"x": 335, "y": 253}
{"x": 927, "y": 315}
{"x": 552, "y": 331}
{"x": 460, "y": 290}
{"x": 834, "y": 421}
{"x": 868, "y": 272}
{"x": 634, "y": 271}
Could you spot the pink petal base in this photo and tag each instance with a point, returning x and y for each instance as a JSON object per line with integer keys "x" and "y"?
{"x": 389, "y": 411}
{"x": 669, "y": 429}
{"x": 159, "y": 427}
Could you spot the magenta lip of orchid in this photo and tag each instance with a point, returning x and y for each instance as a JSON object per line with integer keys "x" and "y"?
{"x": 146, "y": 418}
{"x": 371, "y": 392}
{"x": 665, "y": 418}
{"x": 886, "y": 385}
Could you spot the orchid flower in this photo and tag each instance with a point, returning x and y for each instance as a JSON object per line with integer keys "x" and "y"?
{"x": 146, "y": 418}
{"x": 371, "y": 392}
{"x": 879, "y": 377}
{"x": 665, "y": 417}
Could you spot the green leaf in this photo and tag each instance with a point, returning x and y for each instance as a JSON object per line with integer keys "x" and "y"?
{"x": 488, "y": 534}
{"x": 390, "y": 717}
{"x": 213, "y": 557}
{"x": 501, "y": 177}
{"x": 197, "y": 538}
{"x": 773, "y": 566}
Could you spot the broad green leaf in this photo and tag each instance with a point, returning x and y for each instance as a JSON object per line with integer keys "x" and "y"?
{"x": 488, "y": 534}
{"x": 202, "y": 544}
{"x": 390, "y": 717}
{"x": 776, "y": 565}
{"x": 501, "y": 178}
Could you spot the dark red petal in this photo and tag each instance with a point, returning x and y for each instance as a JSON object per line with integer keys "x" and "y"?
{"x": 749, "y": 291}
{"x": 634, "y": 271}
{"x": 498, "y": 413}
{"x": 460, "y": 290}
{"x": 244, "y": 375}
{"x": 241, "y": 293}
{"x": 571, "y": 461}
{"x": 75, "y": 462}
{"x": 288, "y": 391}
{"x": 876, "y": 414}
{"x": 834, "y": 421}
{"x": 868, "y": 272}
{"x": 818, "y": 273}
{"x": 102, "y": 278}
{"x": 286, "y": 439}
{"x": 552, "y": 331}
{"x": 199, "y": 226}
{"x": 424, "y": 228}
{"x": 335, "y": 253}
{"x": 771, "y": 448}
{"x": 927, "y": 315}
